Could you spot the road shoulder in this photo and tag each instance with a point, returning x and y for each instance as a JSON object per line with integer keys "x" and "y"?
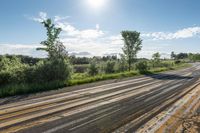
{"x": 182, "y": 116}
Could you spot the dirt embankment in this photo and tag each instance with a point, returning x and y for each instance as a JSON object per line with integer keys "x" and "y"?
{"x": 191, "y": 122}
{"x": 187, "y": 118}
{"x": 182, "y": 117}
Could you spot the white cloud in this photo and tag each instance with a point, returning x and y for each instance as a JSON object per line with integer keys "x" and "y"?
{"x": 59, "y": 18}
{"x": 71, "y": 31}
{"x": 42, "y": 17}
{"x": 92, "y": 40}
{"x": 96, "y": 42}
{"x": 116, "y": 40}
{"x": 151, "y": 47}
{"x": 85, "y": 54}
{"x": 180, "y": 34}
{"x": 97, "y": 26}
{"x": 22, "y": 49}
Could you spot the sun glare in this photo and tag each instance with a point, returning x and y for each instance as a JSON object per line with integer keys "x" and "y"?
{"x": 96, "y": 4}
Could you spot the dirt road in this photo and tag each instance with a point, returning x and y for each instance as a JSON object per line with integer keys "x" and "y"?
{"x": 114, "y": 107}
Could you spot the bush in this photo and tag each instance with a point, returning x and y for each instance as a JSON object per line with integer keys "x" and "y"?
{"x": 12, "y": 71}
{"x": 177, "y": 62}
{"x": 79, "y": 76}
{"x": 110, "y": 67}
{"x": 142, "y": 66}
{"x": 80, "y": 68}
{"x": 166, "y": 64}
{"x": 93, "y": 69}
{"x": 50, "y": 70}
{"x": 122, "y": 66}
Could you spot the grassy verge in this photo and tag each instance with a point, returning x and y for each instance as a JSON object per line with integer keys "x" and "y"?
{"x": 83, "y": 79}
{"x": 101, "y": 77}
{"x": 23, "y": 88}
{"x": 77, "y": 79}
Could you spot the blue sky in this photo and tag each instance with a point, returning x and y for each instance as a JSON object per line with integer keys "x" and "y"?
{"x": 91, "y": 29}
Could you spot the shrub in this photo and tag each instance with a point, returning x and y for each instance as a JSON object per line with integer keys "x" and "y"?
{"x": 80, "y": 68}
{"x": 12, "y": 70}
{"x": 177, "y": 62}
{"x": 166, "y": 64}
{"x": 93, "y": 69}
{"x": 122, "y": 66}
{"x": 142, "y": 66}
{"x": 51, "y": 70}
{"x": 110, "y": 67}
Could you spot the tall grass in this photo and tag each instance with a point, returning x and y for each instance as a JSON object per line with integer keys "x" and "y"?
{"x": 23, "y": 88}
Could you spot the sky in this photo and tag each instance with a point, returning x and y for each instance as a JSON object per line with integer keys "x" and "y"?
{"x": 92, "y": 27}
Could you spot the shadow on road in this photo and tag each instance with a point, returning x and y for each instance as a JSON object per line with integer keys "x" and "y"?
{"x": 168, "y": 76}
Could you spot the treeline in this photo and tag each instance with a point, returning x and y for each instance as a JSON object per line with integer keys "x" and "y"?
{"x": 86, "y": 60}
{"x": 186, "y": 56}
{"x": 24, "y": 59}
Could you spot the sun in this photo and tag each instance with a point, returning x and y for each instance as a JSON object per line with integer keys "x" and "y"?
{"x": 96, "y": 4}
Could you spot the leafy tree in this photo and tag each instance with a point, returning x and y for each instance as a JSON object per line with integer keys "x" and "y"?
{"x": 110, "y": 67}
{"x": 122, "y": 65}
{"x": 52, "y": 45}
{"x": 107, "y": 58}
{"x": 182, "y": 56}
{"x": 79, "y": 60}
{"x": 24, "y": 59}
{"x": 132, "y": 44}
{"x": 57, "y": 68}
{"x": 194, "y": 57}
{"x": 156, "y": 59}
{"x": 93, "y": 69}
{"x": 173, "y": 55}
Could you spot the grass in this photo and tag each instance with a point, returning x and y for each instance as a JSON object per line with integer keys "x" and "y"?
{"x": 20, "y": 89}
{"x": 89, "y": 79}
{"x": 77, "y": 79}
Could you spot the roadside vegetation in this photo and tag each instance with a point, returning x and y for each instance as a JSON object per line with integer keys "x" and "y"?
{"x": 22, "y": 74}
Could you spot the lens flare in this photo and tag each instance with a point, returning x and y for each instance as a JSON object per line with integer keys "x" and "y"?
{"x": 96, "y": 4}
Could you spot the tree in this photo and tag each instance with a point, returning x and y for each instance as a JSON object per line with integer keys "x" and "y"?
{"x": 156, "y": 58}
{"x": 182, "y": 56}
{"x": 132, "y": 44}
{"x": 122, "y": 66}
{"x": 173, "y": 55}
{"x": 57, "y": 67}
{"x": 110, "y": 67}
{"x": 93, "y": 69}
{"x": 53, "y": 46}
